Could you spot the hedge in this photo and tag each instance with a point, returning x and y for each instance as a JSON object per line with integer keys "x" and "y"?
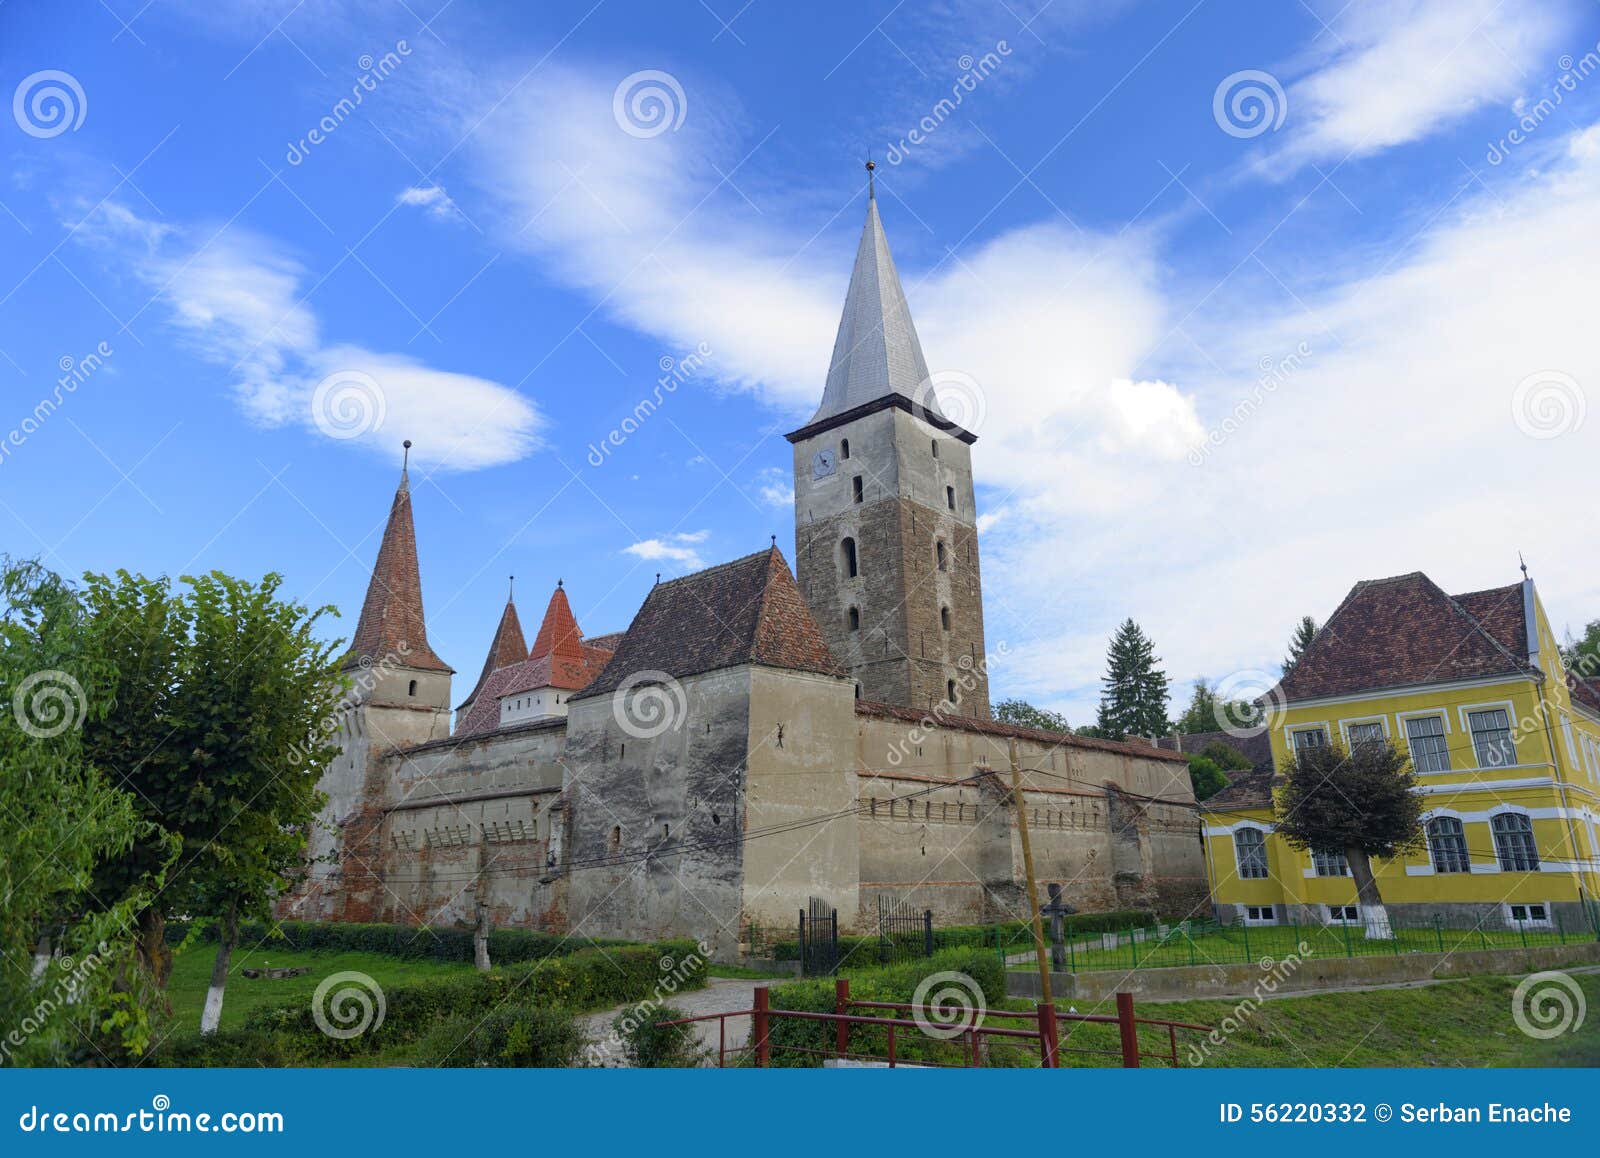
{"x": 513, "y": 1035}
{"x": 861, "y": 950}
{"x": 788, "y": 1037}
{"x": 588, "y": 980}
{"x": 408, "y": 942}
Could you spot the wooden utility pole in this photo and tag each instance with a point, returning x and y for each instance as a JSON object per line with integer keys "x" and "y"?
{"x": 1046, "y": 1000}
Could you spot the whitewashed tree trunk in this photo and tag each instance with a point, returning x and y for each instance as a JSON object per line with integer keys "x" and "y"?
{"x": 211, "y": 1016}
{"x": 41, "y": 957}
{"x": 1373, "y": 915}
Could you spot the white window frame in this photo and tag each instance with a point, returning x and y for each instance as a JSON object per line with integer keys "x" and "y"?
{"x": 1352, "y": 914}
{"x": 1566, "y": 731}
{"x": 1545, "y": 922}
{"x": 1270, "y": 919}
{"x": 1510, "y": 710}
{"x": 1427, "y": 838}
{"x": 1317, "y": 865}
{"x": 1238, "y": 854}
{"x": 1444, "y": 722}
{"x": 1291, "y": 733}
{"x": 1346, "y": 725}
{"x": 1533, "y": 837}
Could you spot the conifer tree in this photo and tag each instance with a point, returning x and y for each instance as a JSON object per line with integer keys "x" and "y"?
{"x": 1299, "y": 641}
{"x": 1134, "y": 700}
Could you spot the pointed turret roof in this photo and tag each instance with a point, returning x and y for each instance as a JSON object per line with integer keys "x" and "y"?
{"x": 558, "y": 634}
{"x": 877, "y": 352}
{"x": 392, "y": 623}
{"x": 507, "y": 647}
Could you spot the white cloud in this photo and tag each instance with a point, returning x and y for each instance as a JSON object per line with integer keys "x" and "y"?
{"x": 1396, "y": 70}
{"x": 678, "y": 549}
{"x": 776, "y": 487}
{"x": 240, "y": 303}
{"x": 432, "y": 199}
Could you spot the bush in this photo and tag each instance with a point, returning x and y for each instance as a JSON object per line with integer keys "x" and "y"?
{"x": 407, "y": 942}
{"x": 587, "y": 980}
{"x": 512, "y": 1036}
{"x": 862, "y": 951}
{"x": 805, "y": 1043}
{"x": 649, "y": 1045}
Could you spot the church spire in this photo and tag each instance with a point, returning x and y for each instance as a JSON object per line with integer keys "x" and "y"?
{"x": 392, "y": 627}
{"x": 877, "y": 352}
{"x": 558, "y": 634}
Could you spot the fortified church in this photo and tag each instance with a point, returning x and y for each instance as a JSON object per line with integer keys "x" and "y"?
{"x": 758, "y": 737}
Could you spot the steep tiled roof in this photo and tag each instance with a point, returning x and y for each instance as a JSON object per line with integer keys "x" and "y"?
{"x": 558, "y": 633}
{"x": 1503, "y": 613}
{"x": 607, "y": 642}
{"x": 995, "y": 728}
{"x": 1405, "y": 630}
{"x": 747, "y": 611}
{"x": 506, "y": 648}
{"x": 1585, "y": 692}
{"x": 1251, "y": 789}
{"x": 1257, "y": 748}
{"x": 391, "y": 622}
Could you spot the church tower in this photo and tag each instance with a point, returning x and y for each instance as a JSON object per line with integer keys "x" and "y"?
{"x": 886, "y": 538}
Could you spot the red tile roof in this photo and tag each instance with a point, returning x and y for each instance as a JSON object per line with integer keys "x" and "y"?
{"x": 392, "y": 622}
{"x": 1585, "y": 692}
{"x": 1405, "y": 630}
{"x": 506, "y": 648}
{"x": 747, "y": 611}
{"x": 558, "y": 633}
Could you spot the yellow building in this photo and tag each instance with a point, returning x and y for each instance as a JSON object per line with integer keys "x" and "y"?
{"x": 1506, "y": 747}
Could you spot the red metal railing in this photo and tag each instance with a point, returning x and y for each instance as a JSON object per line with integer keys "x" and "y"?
{"x": 1044, "y": 1029}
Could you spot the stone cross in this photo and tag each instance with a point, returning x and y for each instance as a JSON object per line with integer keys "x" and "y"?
{"x": 1056, "y": 910}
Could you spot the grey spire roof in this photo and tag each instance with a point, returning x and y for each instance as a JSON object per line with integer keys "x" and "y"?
{"x": 877, "y": 352}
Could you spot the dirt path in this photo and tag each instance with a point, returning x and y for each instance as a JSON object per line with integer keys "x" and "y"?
{"x": 721, "y": 995}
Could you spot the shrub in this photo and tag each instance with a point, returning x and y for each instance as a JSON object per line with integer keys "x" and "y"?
{"x": 407, "y": 942}
{"x": 588, "y": 980}
{"x": 862, "y": 951}
{"x": 806, "y": 1043}
{"x": 511, "y": 1036}
{"x": 650, "y": 1045}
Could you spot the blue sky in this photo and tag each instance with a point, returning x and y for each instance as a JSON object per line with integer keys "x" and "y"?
{"x": 1225, "y": 356}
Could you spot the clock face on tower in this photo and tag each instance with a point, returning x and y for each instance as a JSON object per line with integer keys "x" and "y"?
{"x": 822, "y": 464}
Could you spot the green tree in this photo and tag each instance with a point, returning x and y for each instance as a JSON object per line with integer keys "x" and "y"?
{"x": 1134, "y": 699}
{"x": 253, "y": 721}
{"x": 1581, "y": 657}
{"x": 1206, "y": 776}
{"x": 62, "y": 818}
{"x": 1359, "y": 803}
{"x": 1304, "y": 632}
{"x": 1022, "y": 714}
{"x": 139, "y": 631}
{"x": 1226, "y": 757}
{"x": 1206, "y": 713}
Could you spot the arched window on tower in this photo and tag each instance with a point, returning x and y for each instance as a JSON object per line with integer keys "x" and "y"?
{"x": 855, "y": 489}
{"x": 844, "y": 448}
{"x": 941, "y": 556}
{"x": 935, "y": 448}
{"x": 412, "y": 689}
{"x": 944, "y": 618}
{"x": 854, "y": 619}
{"x": 950, "y": 691}
{"x": 847, "y": 548}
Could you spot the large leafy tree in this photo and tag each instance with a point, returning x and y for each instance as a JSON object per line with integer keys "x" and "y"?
{"x": 1134, "y": 699}
{"x": 1206, "y": 776}
{"x": 251, "y": 723}
{"x": 1359, "y": 803}
{"x": 138, "y": 629}
{"x": 62, "y": 818}
{"x": 1304, "y": 632}
{"x": 1022, "y": 714}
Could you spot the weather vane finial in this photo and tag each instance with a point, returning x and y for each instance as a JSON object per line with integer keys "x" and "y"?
{"x": 511, "y": 589}
{"x": 872, "y": 192}
{"x": 1523, "y": 563}
{"x": 405, "y": 463}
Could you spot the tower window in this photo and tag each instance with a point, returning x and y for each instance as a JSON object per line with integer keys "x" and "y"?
{"x": 854, "y": 619}
{"x": 412, "y": 689}
{"x": 935, "y": 448}
{"x": 950, "y": 497}
{"x": 950, "y": 690}
{"x": 940, "y": 556}
{"x": 944, "y": 618}
{"x": 844, "y": 448}
{"x": 858, "y": 694}
{"x": 614, "y": 841}
{"x": 855, "y": 489}
{"x": 848, "y": 549}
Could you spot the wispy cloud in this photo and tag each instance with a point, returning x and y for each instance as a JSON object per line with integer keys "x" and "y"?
{"x": 679, "y": 549}
{"x": 432, "y": 199}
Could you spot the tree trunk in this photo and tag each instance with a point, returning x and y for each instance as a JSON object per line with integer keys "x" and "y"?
{"x": 1373, "y": 915}
{"x": 480, "y": 938}
{"x": 41, "y": 956}
{"x": 212, "y": 1017}
{"x": 150, "y": 948}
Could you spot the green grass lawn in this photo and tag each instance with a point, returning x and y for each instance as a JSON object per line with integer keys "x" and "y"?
{"x": 191, "y": 977}
{"x": 1451, "y": 1023}
{"x": 1236, "y": 944}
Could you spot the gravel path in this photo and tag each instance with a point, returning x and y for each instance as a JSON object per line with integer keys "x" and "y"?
{"x": 721, "y": 995}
